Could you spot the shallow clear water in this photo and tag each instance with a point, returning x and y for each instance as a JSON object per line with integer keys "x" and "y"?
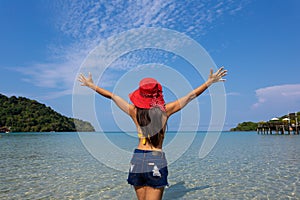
{"x": 241, "y": 166}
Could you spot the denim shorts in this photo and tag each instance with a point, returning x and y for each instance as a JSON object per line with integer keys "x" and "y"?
{"x": 148, "y": 168}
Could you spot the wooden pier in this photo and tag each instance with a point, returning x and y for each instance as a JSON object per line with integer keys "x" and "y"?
{"x": 287, "y": 125}
{"x": 277, "y": 128}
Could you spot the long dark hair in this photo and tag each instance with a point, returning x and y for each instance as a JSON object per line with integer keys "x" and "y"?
{"x": 151, "y": 124}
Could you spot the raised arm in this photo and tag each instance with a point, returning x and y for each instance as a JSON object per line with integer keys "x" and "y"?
{"x": 121, "y": 103}
{"x": 177, "y": 105}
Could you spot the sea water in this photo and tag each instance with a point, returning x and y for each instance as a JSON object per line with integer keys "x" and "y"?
{"x": 242, "y": 165}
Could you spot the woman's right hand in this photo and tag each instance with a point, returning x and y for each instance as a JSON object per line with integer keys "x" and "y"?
{"x": 86, "y": 81}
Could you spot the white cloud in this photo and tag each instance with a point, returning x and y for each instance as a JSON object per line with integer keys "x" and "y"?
{"x": 85, "y": 24}
{"x": 50, "y": 75}
{"x": 54, "y": 95}
{"x": 280, "y": 97}
{"x": 233, "y": 94}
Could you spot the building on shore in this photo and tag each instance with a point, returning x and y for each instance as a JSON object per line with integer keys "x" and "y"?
{"x": 4, "y": 129}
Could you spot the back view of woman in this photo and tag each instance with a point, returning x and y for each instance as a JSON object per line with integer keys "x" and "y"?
{"x": 148, "y": 167}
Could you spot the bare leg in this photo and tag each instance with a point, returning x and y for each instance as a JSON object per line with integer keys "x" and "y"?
{"x": 148, "y": 193}
{"x": 154, "y": 193}
{"x": 140, "y": 192}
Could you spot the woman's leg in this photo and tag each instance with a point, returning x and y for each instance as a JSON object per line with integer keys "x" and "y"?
{"x": 154, "y": 193}
{"x": 140, "y": 192}
{"x": 148, "y": 193}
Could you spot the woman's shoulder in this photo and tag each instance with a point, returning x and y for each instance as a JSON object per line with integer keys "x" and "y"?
{"x": 132, "y": 112}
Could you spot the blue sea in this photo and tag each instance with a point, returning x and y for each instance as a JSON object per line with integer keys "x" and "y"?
{"x": 242, "y": 165}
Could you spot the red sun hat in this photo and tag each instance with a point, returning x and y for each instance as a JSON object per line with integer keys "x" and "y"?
{"x": 148, "y": 95}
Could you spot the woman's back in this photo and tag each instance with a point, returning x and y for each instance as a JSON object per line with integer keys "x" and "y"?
{"x": 151, "y": 127}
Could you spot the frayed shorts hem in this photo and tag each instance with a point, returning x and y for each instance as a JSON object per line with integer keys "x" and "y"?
{"x": 156, "y": 187}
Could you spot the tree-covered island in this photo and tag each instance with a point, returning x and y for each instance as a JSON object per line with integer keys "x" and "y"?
{"x": 245, "y": 126}
{"x": 20, "y": 114}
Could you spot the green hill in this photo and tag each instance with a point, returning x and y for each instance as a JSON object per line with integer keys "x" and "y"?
{"x": 245, "y": 126}
{"x": 24, "y": 115}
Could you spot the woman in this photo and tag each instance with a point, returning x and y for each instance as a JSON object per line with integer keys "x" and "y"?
{"x": 148, "y": 172}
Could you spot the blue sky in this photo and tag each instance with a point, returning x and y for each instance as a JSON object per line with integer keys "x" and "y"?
{"x": 43, "y": 44}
